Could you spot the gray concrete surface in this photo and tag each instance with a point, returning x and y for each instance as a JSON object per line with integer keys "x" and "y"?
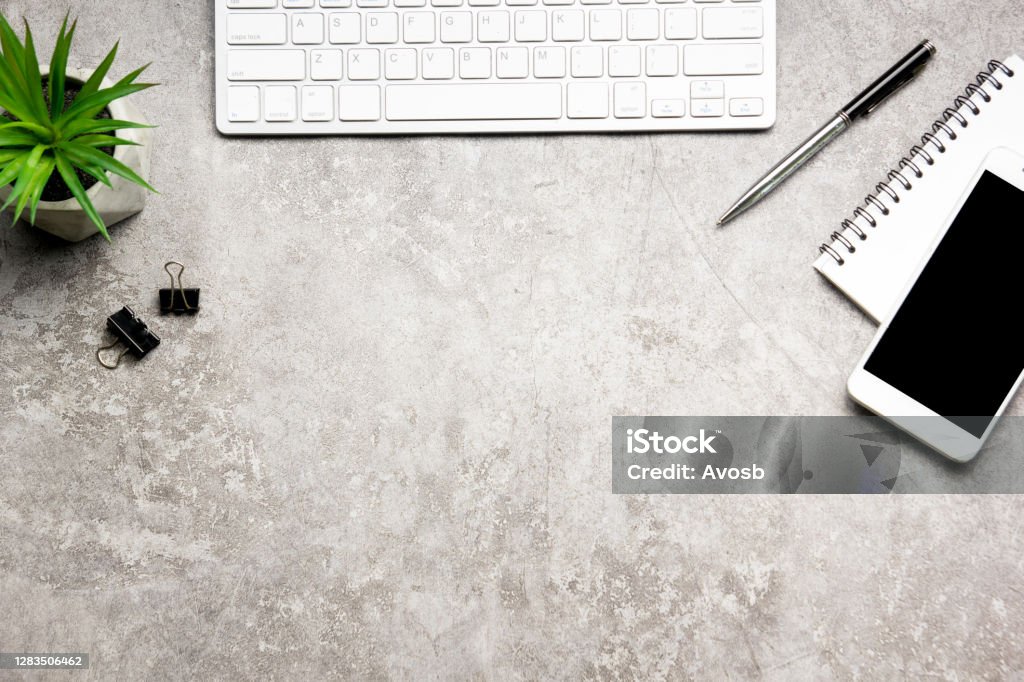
{"x": 383, "y": 447}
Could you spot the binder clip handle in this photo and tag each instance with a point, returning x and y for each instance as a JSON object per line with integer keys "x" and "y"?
{"x": 99, "y": 356}
{"x": 177, "y": 298}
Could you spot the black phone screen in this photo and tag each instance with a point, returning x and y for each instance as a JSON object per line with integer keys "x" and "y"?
{"x": 956, "y": 344}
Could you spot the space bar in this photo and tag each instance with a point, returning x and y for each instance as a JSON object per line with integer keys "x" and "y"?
{"x": 473, "y": 101}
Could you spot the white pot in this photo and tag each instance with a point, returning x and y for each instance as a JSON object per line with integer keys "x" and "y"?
{"x": 66, "y": 219}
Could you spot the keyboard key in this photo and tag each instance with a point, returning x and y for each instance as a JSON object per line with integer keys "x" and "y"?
{"x": 307, "y": 28}
{"x": 531, "y": 26}
{"x": 296, "y": 4}
{"x": 746, "y": 106}
{"x": 707, "y": 89}
{"x": 373, "y": 4}
{"x": 363, "y": 64}
{"x": 484, "y": 3}
{"x": 567, "y": 24}
{"x": 344, "y": 28}
{"x": 317, "y": 103}
{"x": 438, "y": 63}
{"x": 381, "y": 27}
{"x": 512, "y": 62}
{"x": 662, "y": 60}
{"x": 559, "y": 2}
{"x": 587, "y": 61}
{"x": 476, "y": 101}
{"x": 587, "y": 100}
{"x": 642, "y": 24}
{"x": 492, "y": 27}
{"x": 456, "y": 27}
{"x": 410, "y": 3}
{"x": 605, "y": 24}
{"x": 446, "y": 3}
{"x": 630, "y": 100}
{"x": 418, "y": 27}
{"x": 257, "y": 29}
{"x": 252, "y": 4}
{"x": 668, "y": 108}
{"x": 549, "y": 62}
{"x": 400, "y": 65}
{"x": 732, "y": 59}
{"x": 325, "y": 65}
{"x": 279, "y": 103}
{"x": 624, "y": 61}
{"x": 475, "y": 62}
{"x": 520, "y": 3}
{"x": 359, "y": 102}
{"x": 243, "y": 103}
{"x": 335, "y": 3}
{"x": 733, "y": 22}
{"x": 703, "y": 108}
{"x": 266, "y": 65}
{"x": 681, "y": 24}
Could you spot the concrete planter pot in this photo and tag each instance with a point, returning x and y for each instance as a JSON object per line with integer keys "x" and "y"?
{"x": 66, "y": 219}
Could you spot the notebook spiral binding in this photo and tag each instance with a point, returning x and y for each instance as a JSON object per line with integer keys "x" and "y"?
{"x": 885, "y": 194}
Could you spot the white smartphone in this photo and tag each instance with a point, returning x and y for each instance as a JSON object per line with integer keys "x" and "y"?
{"x": 947, "y": 362}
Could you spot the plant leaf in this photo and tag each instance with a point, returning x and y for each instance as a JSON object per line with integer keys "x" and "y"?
{"x": 43, "y": 133}
{"x": 33, "y": 79}
{"x": 58, "y": 67}
{"x": 28, "y": 167}
{"x": 8, "y": 81}
{"x": 96, "y": 172}
{"x": 8, "y": 155}
{"x": 89, "y": 106}
{"x": 13, "y": 53}
{"x": 92, "y": 84}
{"x": 27, "y": 179}
{"x": 104, "y": 141}
{"x": 14, "y": 106}
{"x": 12, "y": 74}
{"x": 81, "y": 154}
{"x": 102, "y": 125}
{"x": 11, "y": 138}
{"x": 130, "y": 78}
{"x": 39, "y": 180}
{"x": 135, "y": 74}
{"x": 13, "y": 168}
{"x": 82, "y": 126}
{"x": 68, "y": 173}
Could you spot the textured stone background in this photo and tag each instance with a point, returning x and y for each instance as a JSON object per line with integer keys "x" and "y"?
{"x": 383, "y": 448}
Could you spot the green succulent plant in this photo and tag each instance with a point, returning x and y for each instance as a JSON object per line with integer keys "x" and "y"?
{"x": 38, "y": 139}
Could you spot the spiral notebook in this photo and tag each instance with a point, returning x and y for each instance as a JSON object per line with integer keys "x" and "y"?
{"x": 876, "y": 251}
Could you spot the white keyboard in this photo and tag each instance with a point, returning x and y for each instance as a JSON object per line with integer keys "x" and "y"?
{"x": 365, "y": 67}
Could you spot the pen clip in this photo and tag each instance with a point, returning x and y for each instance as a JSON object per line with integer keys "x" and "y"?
{"x": 889, "y": 82}
{"x": 895, "y": 88}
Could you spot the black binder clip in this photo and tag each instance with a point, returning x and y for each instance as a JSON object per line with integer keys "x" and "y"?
{"x": 132, "y": 332}
{"x": 178, "y": 299}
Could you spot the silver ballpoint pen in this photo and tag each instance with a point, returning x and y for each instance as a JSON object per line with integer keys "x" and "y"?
{"x": 864, "y": 103}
